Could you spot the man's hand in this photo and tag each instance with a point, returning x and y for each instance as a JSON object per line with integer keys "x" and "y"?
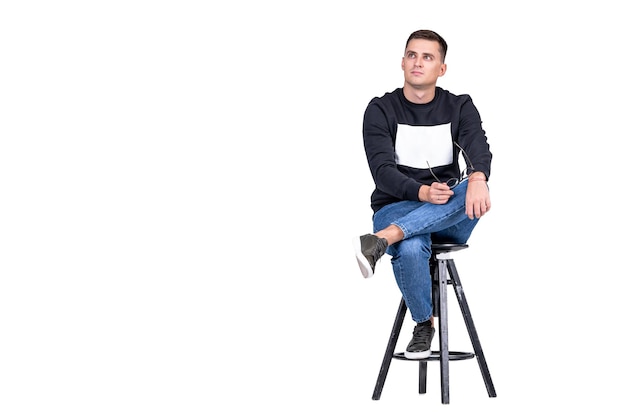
{"x": 437, "y": 193}
{"x": 477, "y": 201}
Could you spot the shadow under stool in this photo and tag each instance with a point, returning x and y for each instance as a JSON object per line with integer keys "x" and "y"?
{"x": 444, "y": 273}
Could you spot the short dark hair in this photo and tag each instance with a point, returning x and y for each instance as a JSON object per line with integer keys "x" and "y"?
{"x": 430, "y": 35}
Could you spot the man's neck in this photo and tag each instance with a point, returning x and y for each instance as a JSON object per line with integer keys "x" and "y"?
{"x": 420, "y": 96}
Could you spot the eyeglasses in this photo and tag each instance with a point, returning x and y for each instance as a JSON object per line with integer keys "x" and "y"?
{"x": 453, "y": 182}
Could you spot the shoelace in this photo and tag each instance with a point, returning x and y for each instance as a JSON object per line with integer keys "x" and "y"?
{"x": 422, "y": 333}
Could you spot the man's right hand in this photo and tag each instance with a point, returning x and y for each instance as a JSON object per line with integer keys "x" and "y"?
{"x": 437, "y": 193}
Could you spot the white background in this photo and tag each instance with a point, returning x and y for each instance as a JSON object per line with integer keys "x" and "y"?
{"x": 180, "y": 183}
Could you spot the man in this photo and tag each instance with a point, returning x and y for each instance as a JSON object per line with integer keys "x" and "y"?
{"x": 413, "y": 139}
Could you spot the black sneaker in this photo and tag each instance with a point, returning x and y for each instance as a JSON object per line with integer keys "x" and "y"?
{"x": 419, "y": 346}
{"x": 368, "y": 248}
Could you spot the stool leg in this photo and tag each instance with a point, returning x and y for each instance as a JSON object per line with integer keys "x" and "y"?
{"x": 444, "y": 355}
{"x": 423, "y": 371}
{"x": 391, "y": 346}
{"x": 434, "y": 270}
{"x": 423, "y": 365}
{"x": 471, "y": 329}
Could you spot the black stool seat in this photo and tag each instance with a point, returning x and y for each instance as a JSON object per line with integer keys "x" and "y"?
{"x": 443, "y": 273}
{"x": 443, "y": 248}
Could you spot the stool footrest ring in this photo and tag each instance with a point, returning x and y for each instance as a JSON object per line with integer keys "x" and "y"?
{"x": 435, "y": 356}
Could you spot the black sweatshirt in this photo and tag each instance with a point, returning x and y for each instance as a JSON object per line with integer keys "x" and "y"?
{"x": 402, "y": 139}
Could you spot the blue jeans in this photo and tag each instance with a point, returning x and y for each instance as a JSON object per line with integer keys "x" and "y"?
{"x": 422, "y": 223}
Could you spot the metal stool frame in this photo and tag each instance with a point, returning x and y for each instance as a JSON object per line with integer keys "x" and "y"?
{"x": 444, "y": 273}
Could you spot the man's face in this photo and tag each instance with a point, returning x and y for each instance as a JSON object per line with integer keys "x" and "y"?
{"x": 422, "y": 63}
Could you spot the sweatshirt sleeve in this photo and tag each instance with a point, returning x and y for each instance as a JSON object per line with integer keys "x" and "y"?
{"x": 472, "y": 138}
{"x": 379, "y": 149}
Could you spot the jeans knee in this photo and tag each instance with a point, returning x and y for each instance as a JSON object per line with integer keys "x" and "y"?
{"x": 417, "y": 247}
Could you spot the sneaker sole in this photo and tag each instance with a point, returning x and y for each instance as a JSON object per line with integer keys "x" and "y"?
{"x": 364, "y": 264}
{"x": 417, "y": 356}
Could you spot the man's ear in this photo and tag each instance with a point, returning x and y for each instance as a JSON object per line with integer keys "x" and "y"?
{"x": 442, "y": 70}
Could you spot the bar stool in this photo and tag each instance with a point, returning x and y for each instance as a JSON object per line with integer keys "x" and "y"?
{"x": 444, "y": 273}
